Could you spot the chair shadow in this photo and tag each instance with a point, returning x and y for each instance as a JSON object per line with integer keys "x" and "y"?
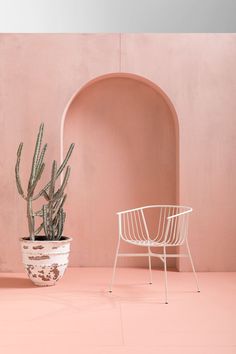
{"x": 15, "y": 283}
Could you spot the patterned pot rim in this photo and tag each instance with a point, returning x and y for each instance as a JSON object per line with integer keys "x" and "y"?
{"x": 65, "y": 239}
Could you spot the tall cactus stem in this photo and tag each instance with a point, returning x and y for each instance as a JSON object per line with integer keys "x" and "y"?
{"x": 30, "y": 219}
{"x": 45, "y": 226}
{"x": 36, "y": 155}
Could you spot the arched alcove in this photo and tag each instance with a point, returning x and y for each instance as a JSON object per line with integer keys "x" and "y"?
{"x": 126, "y": 135}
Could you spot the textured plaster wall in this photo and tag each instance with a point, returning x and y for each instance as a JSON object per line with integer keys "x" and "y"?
{"x": 40, "y": 73}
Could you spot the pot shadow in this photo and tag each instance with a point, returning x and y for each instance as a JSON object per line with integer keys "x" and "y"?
{"x": 15, "y": 283}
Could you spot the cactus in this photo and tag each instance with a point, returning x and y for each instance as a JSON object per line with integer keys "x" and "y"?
{"x": 52, "y": 213}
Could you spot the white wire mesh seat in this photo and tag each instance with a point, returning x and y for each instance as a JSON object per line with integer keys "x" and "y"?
{"x": 171, "y": 231}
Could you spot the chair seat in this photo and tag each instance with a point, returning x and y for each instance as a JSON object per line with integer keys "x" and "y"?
{"x": 146, "y": 243}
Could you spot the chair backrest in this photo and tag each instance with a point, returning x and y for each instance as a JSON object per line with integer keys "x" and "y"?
{"x": 171, "y": 224}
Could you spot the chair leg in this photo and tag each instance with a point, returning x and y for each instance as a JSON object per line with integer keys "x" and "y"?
{"x": 150, "y": 266}
{"x": 165, "y": 271}
{"x": 193, "y": 268}
{"x": 114, "y": 267}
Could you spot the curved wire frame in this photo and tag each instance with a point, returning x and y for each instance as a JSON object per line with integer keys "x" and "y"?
{"x": 171, "y": 230}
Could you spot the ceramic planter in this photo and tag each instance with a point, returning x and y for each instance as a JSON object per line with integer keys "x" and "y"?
{"x": 45, "y": 261}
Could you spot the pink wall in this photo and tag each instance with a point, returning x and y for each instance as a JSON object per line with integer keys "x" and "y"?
{"x": 40, "y": 73}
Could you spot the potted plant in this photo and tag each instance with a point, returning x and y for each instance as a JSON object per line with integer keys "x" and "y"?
{"x": 45, "y": 251}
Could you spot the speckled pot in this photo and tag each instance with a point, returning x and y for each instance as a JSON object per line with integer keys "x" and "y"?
{"x": 45, "y": 261}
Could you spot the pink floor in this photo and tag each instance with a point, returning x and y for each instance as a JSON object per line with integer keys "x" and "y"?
{"x": 78, "y": 315}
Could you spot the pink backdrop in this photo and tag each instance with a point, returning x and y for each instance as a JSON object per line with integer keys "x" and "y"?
{"x": 113, "y": 123}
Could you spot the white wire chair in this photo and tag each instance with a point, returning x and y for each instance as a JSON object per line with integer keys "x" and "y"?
{"x": 172, "y": 230}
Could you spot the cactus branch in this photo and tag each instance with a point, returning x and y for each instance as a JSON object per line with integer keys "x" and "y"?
{"x": 37, "y": 231}
{"x": 41, "y": 157}
{"x": 60, "y": 225}
{"x": 68, "y": 155}
{"x": 36, "y": 155}
{"x": 53, "y": 181}
{"x": 64, "y": 183}
{"x": 59, "y": 205}
{"x": 46, "y": 196}
{"x": 17, "y": 171}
